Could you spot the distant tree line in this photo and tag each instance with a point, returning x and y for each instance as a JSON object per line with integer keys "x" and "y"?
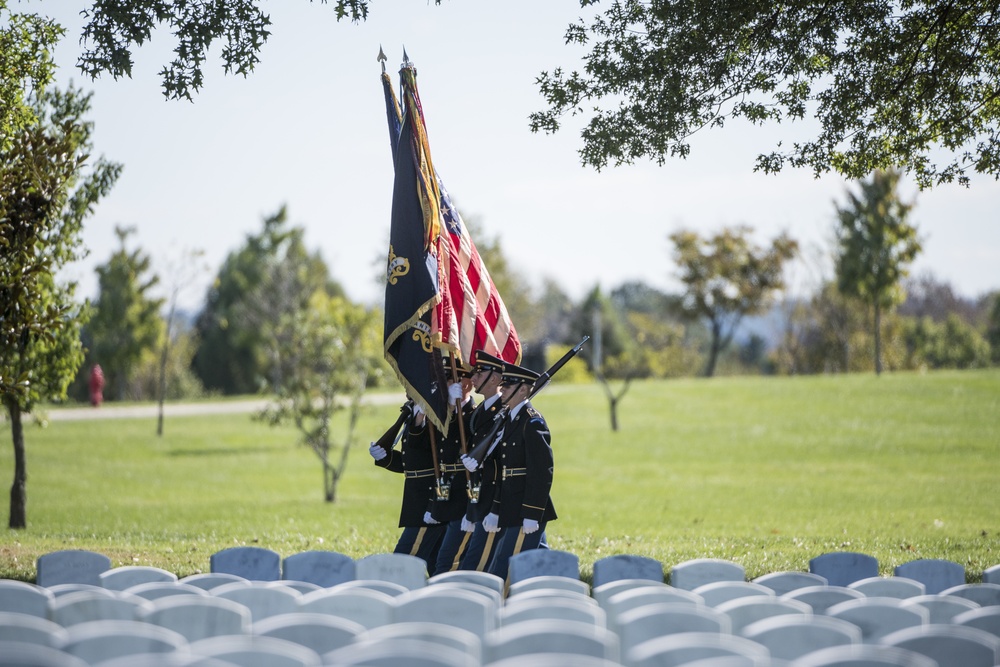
{"x": 869, "y": 316}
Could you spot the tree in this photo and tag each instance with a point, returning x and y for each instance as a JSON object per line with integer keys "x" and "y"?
{"x": 727, "y": 277}
{"x": 181, "y": 274}
{"x": 993, "y": 329}
{"x": 270, "y": 275}
{"x": 26, "y": 43}
{"x": 950, "y": 344}
{"x": 889, "y": 84}
{"x": 555, "y": 310}
{"x": 876, "y": 244}
{"x": 832, "y": 333}
{"x": 613, "y": 353}
{"x": 328, "y": 353}
{"x": 114, "y": 30}
{"x": 665, "y": 344}
{"x": 126, "y": 321}
{"x": 48, "y": 185}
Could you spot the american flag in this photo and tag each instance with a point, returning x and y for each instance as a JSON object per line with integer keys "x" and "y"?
{"x": 444, "y": 278}
{"x": 471, "y": 315}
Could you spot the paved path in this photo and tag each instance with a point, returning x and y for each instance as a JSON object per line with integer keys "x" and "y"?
{"x": 116, "y": 411}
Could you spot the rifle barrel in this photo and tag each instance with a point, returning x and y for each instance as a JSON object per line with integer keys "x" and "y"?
{"x": 478, "y": 452}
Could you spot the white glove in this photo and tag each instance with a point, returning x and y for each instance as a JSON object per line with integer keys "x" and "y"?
{"x": 530, "y": 526}
{"x": 417, "y": 410}
{"x": 455, "y": 393}
{"x": 377, "y": 452}
{"x": 467, "y": 526}
{"x": 470, "y": 463}
{"x": 491, "y": 523}
{"x": 429, "y": 519}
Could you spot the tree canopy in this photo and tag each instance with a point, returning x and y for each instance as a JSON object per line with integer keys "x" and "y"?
{"x": 911, "y": 85}
{"x": 726, "y": 277}
{"x": 271, "y": 275}
{"x": 26, "y": 43}
{"x": 115, "y": 27}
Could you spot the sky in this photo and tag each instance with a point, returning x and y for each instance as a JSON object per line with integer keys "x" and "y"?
{"x": 307, "y": 130}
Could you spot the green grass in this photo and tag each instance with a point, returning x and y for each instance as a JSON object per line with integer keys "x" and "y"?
{"x": 766, "y": 472}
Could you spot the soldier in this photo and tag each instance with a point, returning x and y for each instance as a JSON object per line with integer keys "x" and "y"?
{"x": 414, "y": 460}
{"x": 488, "y": 372}
{"x": 522, "y": 506}
{"x": 449, "y": 507}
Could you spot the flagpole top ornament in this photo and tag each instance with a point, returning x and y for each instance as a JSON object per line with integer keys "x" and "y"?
{"x": 406, "y": 60}
{"x": 381, "y": 58}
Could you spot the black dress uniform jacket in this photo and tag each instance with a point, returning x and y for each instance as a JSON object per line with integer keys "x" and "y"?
{"x": 526, "y": 469}
{"x": 480, "y": 425}
{"x": 413, "y": 459}
{"x": 449, "y": 451}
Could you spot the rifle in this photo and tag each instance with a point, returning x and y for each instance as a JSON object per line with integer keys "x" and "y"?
{"x": 391, "y": 436}
{"x": 479, "y": 451}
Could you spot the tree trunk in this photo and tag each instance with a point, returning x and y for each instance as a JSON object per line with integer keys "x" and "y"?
{"x": 18, "y": 490}
{"x": 329, "y": 483}
{"x": 878, "y": 339}
{"x": 614, "y": 414}
{"x": 713, "y": 351}
{"x": 162, "y": 384}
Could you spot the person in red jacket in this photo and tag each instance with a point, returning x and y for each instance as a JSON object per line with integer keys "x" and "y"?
{"x": 96, "y": 385}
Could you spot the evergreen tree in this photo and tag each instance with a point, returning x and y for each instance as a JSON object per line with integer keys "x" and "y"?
{"x": 126, "y": 323}
{"x": 876, "y": 244}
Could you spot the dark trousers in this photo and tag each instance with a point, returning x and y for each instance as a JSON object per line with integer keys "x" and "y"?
{"x": 512, "y": 542}
{"x": 422, "y": 542}
{"x": 453, "y": 546}
{"x": 480, "y": 550}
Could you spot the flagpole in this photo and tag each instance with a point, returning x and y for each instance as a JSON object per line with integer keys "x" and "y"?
{"x": 434, "y": 458}
{"x": 461, "y": 424}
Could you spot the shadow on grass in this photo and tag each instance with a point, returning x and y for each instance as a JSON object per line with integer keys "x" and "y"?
{"x": 219, "y": 451}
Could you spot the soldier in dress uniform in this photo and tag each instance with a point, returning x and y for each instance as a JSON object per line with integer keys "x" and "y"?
{"x": 488, "y": 372}
{"x": 522, "y": 506}
{"x": 449, "y": 506}
{"x": 414, "y": 460}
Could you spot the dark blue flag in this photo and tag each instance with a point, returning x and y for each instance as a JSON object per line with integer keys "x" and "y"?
{"x": 411, "y": 289}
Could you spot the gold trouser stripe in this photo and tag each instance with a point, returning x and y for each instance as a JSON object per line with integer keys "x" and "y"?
{"x": 519, "y": 543}
{"x": 517, "y": 550}
{"x": 416, "y": 542}
{"x": 487, "y": 548}
{"x": 461, "y": 550}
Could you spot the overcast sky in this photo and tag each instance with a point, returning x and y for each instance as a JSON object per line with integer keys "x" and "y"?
{"x": 307, "y": 129}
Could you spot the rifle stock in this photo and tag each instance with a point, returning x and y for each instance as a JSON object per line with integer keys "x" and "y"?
{"x": 389, "y": 437}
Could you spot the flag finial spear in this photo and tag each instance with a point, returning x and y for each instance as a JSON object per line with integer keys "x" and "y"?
{"x": 406, "y": 59}
{"x": 382, "y": 57}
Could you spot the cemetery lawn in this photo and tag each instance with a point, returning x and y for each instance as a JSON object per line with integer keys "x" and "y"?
{"x": 766, "y": 472}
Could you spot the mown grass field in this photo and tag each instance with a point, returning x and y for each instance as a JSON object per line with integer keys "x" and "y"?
{"x": 766, "y": 472}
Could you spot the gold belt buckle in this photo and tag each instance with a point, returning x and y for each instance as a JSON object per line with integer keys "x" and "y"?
{"x": 443, "y": 489}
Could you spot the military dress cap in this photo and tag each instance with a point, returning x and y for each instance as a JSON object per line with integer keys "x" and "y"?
{"x": 462, "y": 369}
{"x": 487, "y": 362}
{"x": 514, "y": 374}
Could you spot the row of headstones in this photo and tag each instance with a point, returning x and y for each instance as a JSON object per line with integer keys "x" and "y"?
{"x": 692, "y": 575}
{"x": 329, "y": 568}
